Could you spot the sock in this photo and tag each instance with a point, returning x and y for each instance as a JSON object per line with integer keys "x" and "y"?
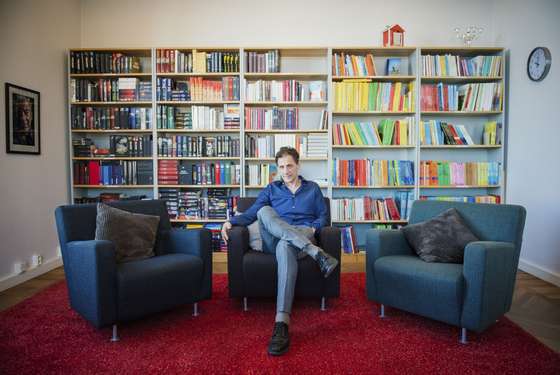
{"x": 312, "y": 250}
{"x": 282, "y": 317}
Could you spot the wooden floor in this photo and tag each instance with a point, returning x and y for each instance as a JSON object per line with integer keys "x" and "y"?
{"x": 536, "y": 303}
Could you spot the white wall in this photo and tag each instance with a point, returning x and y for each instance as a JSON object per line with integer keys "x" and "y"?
{"x": 34, "y": 37}
{"x": 129, "y": 23}
{"x": 533, "y": 178}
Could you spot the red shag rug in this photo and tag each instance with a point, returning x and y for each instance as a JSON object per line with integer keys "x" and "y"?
{"x": 43, "y": 335}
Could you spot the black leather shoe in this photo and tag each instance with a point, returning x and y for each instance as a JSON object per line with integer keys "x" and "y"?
{"x": 280, "y": 341}
{"x": 326, "y": 263}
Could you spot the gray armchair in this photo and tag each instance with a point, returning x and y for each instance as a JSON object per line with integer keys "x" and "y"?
{"x": 105, "y": 292}
{"x": 472, "y": 295}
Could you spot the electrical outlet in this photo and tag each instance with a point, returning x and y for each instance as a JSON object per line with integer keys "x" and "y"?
{"x": 36, "y": 260}
{"x": 20, "y": 267}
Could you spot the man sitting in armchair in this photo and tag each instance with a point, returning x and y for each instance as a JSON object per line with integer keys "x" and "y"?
{"x": 289, "y": 212}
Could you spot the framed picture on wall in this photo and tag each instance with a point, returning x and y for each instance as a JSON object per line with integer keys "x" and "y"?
{"x": 23, "y": 131}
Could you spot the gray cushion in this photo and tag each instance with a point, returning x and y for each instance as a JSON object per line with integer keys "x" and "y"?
{"x": 255, "y": 240}
{"x": 440, "y": 239}
{"x": 134, "y": 235}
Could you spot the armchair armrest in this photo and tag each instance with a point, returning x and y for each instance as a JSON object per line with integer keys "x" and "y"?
{"x": 329, "y": 240}
{"x": 238, "y": 245}
{"x": 90, "y": 269}
{"x": 489, "y": 274}
{"x": 196, "y": 242}
{"x": 380, "y": 243}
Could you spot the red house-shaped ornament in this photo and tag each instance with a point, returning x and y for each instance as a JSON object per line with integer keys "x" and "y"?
{"x": 393, "y": 36}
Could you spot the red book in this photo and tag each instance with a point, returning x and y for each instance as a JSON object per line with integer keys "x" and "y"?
{"x": 93, "y": 167}
{"x": 392, "y": 208}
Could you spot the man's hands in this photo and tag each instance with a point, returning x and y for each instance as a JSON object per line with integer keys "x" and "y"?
{"x": 227, "y": 226}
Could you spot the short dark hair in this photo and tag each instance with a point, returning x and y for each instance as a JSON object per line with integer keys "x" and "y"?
{"x": 285, "y": 151}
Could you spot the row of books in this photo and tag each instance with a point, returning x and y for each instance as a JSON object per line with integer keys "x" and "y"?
{"x": 449, "y": 173}
{"x": 113, "y": 172}
{"x": 198, "y": 117}
{"x": 435, "y": 132}
{"x": 262, "y": 62}
{"x": 187, "y": 204}
{"x": 260, "y": 174}
{"x": 197, "y": 89}
{"x": 285, "y": 90}
{"x": 103, "y": 118}
{"x": 119, "y": 146}
{"x": 384, "y": 132}
{"x": 266, "y": 146}
{"x": 461, "y": 66}
{"x": 491, "y": 199}
{"x": 110, "y": 90}
{"x": 344, "y": 64}
{"x": 82, "y": 62}
{"x": 173, "y": 172}
{"x": 367, "y": 172}
{"x": 469, "y": 97}
{"x": 369, "y": 208}
{"x": 198, "y": 146}
{"x": 271, "y": 118}
{"x": 109, "y": 197}
{"x": 177, "y": 61}
{"x": 362, "y": 96}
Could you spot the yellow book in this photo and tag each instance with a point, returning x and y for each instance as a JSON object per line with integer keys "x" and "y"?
{"x": 422, "y": 129}
{"x": 396, "y": 96}
{"x": 403, "y": 132}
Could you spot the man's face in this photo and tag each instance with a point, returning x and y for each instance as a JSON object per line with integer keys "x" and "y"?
{"x": 25, "y": 115}
{"x": 288, "y": 169}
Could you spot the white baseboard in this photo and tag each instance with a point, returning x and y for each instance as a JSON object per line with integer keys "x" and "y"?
{"x": 31, "y": 273}
{"x": 540, "y": 272}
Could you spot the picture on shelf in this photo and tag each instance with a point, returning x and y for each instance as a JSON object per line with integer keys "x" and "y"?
{"x": 22, "y": 120}
{"x": 393, "y": 66}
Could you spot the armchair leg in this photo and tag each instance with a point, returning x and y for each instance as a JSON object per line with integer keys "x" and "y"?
{"x": 382, "y": 311}
{"x": 195, "y": 309}
{"x": 245, "y": 307}
{"x": 115, "y": 336}
{"x": 323, "y": 304}
{"x": 463, "y": 339}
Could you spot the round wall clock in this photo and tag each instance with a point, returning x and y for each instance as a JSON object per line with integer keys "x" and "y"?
{"x": 538, "y": 63}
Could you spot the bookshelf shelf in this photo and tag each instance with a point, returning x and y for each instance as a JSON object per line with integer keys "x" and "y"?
{"x": 403, "y": 78}
{"x": 286, "y": 75}
{"x": 374, "y": 187}
{"x": 119, "y": 103}
{"x": 199, "y": 186}
{"x": 369, "y": 222}
{"x": 461, "y": 113}
{"x": 366, "y": 113}
{"x": 460, "y": 187}
{"x": 252, "y": 159}
{"x": 190, "y": 102}
{"x": 200, "y": 131}
{"x": 460, "y": 79}
{"x": 197, "y": 158}
{"x": 114, "y": 158}
{"x": 272, "y": 131}
{"x": 113, "y": 186}
{"x": 110, "y": 75}
{"x": 183, "y": 75}
{"x": 379, "y": 147}
{"x": 284, "y": 103}
{"x": 112, "y": 131}
{"x": 197, "y": 220}
{"x": 467, "y": 147}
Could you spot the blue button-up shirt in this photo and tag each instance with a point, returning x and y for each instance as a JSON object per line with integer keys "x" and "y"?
{"x": 304, "y": 207}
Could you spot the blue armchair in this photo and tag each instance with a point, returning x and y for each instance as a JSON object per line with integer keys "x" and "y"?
{"x": 472, "y": 295}
{"x": 106, "y": 293}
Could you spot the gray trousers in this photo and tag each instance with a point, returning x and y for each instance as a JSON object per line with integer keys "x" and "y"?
{"x": 289, "y": 243}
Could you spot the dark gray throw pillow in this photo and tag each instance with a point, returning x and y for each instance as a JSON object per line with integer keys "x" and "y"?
{"x": 441, "y": 239}
{"x": 133, "y": 234}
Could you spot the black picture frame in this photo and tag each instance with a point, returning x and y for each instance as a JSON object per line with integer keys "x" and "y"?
{"x": 23, "y": 120}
